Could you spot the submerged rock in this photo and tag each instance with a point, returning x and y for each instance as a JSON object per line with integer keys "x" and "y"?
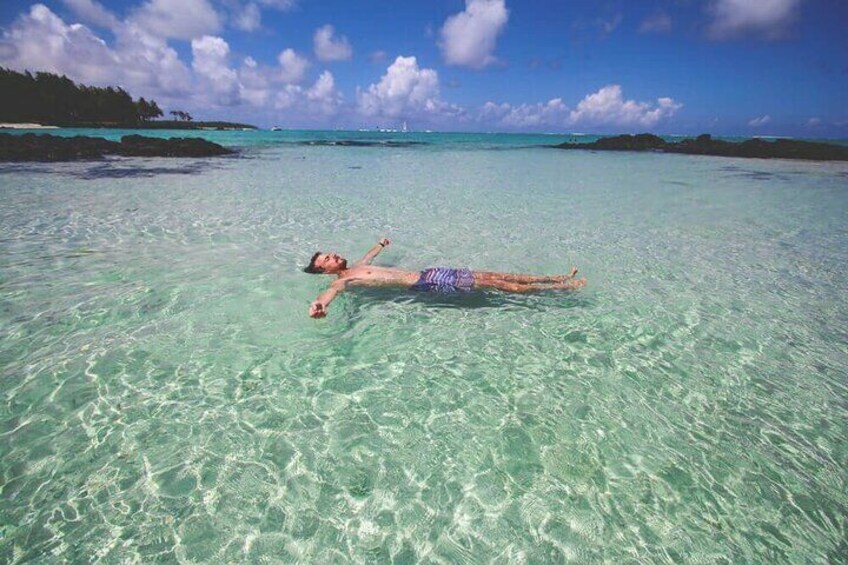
{"x": 32, "y": 147}
{"x": 706, "y": 145}
{"x": 139, "y": 146}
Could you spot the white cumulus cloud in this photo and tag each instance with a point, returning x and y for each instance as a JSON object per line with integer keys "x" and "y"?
{"x": 211, "y": 65}
{"x": 330, "y": 48}
{"x": 323, "y": 96}
{"x": 42, "y": 41}
{"x": 254, "y": 84}
{"x": 607, "y": 106}
{"x": 736, "y": 18}
{"x": 322, "y": 99}
{"x": 143, "y": 64}
{"x": 468, "y": 38}
{"x": 292, "y": 66}
{"x": 403, "y": 91}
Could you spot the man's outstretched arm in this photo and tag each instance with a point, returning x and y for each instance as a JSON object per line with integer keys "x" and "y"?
{"x": 318, "y": 309}
{"x": 373, "y": 252}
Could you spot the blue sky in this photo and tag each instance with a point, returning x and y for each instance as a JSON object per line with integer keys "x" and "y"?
{"x": 727, "y": 67}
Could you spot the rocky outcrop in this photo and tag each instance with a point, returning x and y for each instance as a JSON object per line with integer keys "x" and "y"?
{"x": 706, "y": 145}
{"x": 139, "y": 146}
{"x": 32, "y": 147}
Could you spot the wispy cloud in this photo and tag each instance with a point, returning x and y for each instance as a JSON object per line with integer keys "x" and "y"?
{"x": 553, "y": 113}
{"x": 179, "y": 19}
{"x": 657, "y": 23}
{"x": 759, "y": 121}
{"x": 328, "y": 47}
{"x": 247, "y": 17}
{"x": 93, "y": 13}
{"x": 770, "y": 19}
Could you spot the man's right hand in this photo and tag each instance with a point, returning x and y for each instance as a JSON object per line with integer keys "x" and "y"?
{"x": 317, "y": 310}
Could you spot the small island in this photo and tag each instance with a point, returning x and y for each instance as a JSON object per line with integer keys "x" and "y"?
{"x": 49, "y": 100}
{"x": 46, "y": 100}
{"x": 706, "y": 145}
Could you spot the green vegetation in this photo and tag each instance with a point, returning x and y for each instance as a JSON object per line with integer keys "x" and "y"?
{"x": 49, "y": 99}
{"x": 180, "y": 124}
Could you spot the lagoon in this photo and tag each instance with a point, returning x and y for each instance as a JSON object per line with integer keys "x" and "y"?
{"x": 166, "y": 396}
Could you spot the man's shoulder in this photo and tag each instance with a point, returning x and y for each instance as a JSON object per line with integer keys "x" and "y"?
{"x": 354, "y": 272}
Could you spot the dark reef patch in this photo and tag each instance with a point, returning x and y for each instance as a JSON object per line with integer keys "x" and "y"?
{"x": 111, "y": 171}
{"x": 50, "y": 148}
{"x": 706, "y": 145}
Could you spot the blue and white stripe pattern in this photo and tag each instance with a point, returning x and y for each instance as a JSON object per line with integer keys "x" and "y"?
{"x": 444, "y": 280}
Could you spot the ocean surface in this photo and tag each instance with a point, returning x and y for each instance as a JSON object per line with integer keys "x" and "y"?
{"x": 164, "y": 395}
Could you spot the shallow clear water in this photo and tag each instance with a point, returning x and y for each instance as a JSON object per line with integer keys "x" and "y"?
{"x": 165, "y": 395}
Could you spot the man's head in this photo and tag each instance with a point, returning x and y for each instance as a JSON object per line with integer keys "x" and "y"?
{"x": 327, "y": 263}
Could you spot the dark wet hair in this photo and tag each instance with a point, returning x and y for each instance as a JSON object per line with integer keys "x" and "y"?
{"x": 311, "y": 268}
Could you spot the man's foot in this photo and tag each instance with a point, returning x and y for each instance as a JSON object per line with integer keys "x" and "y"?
{"x": 570, "y": 275}
{"x": 570, "y": 285}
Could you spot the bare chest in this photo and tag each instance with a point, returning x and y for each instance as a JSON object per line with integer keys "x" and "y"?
{"x": 371, "y": 275}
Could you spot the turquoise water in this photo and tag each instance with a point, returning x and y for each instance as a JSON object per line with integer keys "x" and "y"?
{"x": 165, "y": 396}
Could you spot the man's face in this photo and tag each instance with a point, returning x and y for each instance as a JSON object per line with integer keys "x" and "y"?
{"x": 331, "y": 262}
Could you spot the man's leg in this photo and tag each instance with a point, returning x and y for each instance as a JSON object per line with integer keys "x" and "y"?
{"x": 506, "y": 286}
{"x": 486, "y": 277}
{"x": 509, "y": 286}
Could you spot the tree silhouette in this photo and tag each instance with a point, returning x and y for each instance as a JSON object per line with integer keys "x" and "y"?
{"x": 180, "y": 115}
{"x": 52, "y": 99}
{"x": 147, "y": 110}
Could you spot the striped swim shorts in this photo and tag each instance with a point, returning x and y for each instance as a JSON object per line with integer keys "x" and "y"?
{"x": 443, "y": 280}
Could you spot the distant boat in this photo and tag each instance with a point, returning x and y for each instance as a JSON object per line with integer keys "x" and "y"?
{"x": 404, "y": 130}
{"x": 276, "y": 128}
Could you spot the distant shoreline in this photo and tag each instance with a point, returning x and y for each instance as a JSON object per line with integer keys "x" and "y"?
{"x": 161, "y": 124}
{"x": 26, "y": 126}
